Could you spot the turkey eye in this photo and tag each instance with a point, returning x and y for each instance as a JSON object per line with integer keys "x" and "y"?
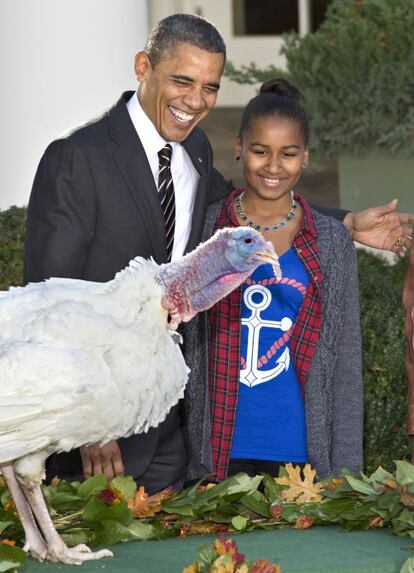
{"x": 248, "y": 241}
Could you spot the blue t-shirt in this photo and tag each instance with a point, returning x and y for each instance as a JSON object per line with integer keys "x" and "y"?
{"x": 270, "y": 418}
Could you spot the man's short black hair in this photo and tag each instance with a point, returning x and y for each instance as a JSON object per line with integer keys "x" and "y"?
{"x": 178, "y": 28}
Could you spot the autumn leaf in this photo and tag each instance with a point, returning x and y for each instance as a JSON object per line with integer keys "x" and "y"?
{"x": 55, "y": 481}
{"x": 193, "y": 568}
{"x": 376, "y": 521}
{"x": 224, "y": 546}
{"x": 391, "y": 484}
{"x": 110, "y": 495}
{"x": 333, "y": 483}
{"x": 222, "y": 564}
{"x": 303, "y": 522}
{"x": 263, "y": 566}
{"x": 144, "y": 505}
{"x": 9, "y": 506}
{"x": 276, "y": 510}
{"x": 205, "y": 528}
{"x": 407, "y": 497}
{"x": 300, "y": 490}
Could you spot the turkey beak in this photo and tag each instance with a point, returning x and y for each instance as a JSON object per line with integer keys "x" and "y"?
{"x": 268, "y": 255}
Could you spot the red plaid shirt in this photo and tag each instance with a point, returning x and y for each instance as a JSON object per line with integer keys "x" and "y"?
{"x": 224, "y": 344}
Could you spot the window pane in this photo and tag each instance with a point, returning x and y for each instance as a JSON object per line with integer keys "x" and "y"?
{"x": 318, "y": 9}
{"x": 264, "y": 17}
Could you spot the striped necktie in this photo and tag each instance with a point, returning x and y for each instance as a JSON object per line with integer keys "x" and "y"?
{"x": 166, "y": 195}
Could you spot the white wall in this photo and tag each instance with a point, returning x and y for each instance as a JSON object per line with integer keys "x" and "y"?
{"x": 61, "y": 62}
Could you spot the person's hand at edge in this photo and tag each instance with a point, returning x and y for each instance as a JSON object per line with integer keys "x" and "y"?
{"x": 102, "y": 460}
{"x": 382, "y": 228}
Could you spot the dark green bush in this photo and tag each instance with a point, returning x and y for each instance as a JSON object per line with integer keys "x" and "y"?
{"x": 383, "y": 340}
{"x": 384, "y": 347}
{"x": 12, "y": 230}
{"x": 355, "y": 73}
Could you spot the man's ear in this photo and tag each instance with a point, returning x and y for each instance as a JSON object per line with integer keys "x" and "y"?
{"x": 142, "y": 65}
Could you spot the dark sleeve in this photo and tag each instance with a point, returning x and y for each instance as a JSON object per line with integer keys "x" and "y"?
{"x": 334, "y": 212}
{"x": 348, "y": 393}
{"x": 61, "y": 214}
{"x": 219, "y": 187}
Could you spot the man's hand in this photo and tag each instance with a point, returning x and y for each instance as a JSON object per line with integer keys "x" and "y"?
{"x": 382, "y": 228}
{"x": 176, "y": 315}
{"x": 102, "y": 460}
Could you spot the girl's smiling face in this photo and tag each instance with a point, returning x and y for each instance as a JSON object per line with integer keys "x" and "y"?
{"x": 273, "y": 152}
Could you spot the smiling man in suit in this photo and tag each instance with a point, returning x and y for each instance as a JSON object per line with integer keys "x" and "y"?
{"x": 137, "y": 182}
{"x": 96, "y": 204}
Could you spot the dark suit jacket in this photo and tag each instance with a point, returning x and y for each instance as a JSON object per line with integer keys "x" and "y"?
{"x": 94, "y": 207}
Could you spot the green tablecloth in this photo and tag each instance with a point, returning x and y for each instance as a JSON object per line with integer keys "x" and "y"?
{"x": 314, "y": 550}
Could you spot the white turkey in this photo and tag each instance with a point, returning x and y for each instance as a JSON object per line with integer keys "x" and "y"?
{"x": 71, "y": 349}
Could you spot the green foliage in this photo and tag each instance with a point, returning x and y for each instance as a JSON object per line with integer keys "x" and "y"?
{"x": 12, "y": 231}
{"x": 356, "y": 76}
{"x": 384, "y": 348}
{"x": 11, "y": 558}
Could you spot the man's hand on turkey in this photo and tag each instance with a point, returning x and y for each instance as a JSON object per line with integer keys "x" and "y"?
{"x": 104, "y": 459}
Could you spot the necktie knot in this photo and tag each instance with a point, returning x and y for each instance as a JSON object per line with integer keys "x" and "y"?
{"x": 164, "y": 156}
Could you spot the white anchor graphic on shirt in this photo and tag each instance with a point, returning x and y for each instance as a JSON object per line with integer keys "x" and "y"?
{"x": 250, "y": 375}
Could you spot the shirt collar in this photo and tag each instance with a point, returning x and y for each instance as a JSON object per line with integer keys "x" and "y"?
{"x": 308, "y": 223}
{"x": 151, "y": 140}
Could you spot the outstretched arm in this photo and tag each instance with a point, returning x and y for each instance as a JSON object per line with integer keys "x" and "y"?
{"x": 382, "y": 227}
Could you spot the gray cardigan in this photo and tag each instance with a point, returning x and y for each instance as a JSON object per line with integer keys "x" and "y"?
{"x": 334, "y": 386}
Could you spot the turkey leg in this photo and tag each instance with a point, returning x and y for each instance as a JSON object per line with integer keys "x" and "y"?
{"x": 34, "y": 540}
{"x": 57, "y": 550}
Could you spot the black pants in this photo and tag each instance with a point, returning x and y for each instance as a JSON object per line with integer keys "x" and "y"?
{"x": 256, "y": 467}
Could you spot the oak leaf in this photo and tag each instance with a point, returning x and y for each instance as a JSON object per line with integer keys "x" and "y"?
{"x": 300, "y": 490}
{"x": 144, "y": 505}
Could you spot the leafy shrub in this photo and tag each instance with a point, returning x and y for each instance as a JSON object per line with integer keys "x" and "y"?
{"x": 356, "y": 76}
{"x": 384, "y": 347}
{"x": 383, "y": 341}
{"x": 12, "y": 232}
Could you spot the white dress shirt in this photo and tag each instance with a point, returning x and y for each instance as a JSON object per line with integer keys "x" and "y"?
{"x": 185, "y": 176}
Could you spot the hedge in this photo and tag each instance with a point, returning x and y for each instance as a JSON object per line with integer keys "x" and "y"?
{"x": 12, "y": 230}
{"x": 383, "y": 341}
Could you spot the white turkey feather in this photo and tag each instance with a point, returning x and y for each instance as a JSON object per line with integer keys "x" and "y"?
{"x": 72, "y": 354}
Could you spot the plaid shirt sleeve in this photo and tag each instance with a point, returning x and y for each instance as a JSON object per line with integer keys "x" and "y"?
{"x": 306, "y": 331}
{"x": 225, "y": 339}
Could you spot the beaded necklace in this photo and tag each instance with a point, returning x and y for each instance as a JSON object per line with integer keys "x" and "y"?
{"x": 264, "y": 228}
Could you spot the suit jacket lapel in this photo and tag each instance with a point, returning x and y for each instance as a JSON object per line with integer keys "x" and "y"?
{"x": 132, "y": 161}
{"x": 200, "y": 203}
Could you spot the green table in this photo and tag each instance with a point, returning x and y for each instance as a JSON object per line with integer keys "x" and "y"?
{"x": 314, "y": 550}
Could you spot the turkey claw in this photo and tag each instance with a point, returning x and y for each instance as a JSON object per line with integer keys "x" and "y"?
{"x": 76, "y": 555}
